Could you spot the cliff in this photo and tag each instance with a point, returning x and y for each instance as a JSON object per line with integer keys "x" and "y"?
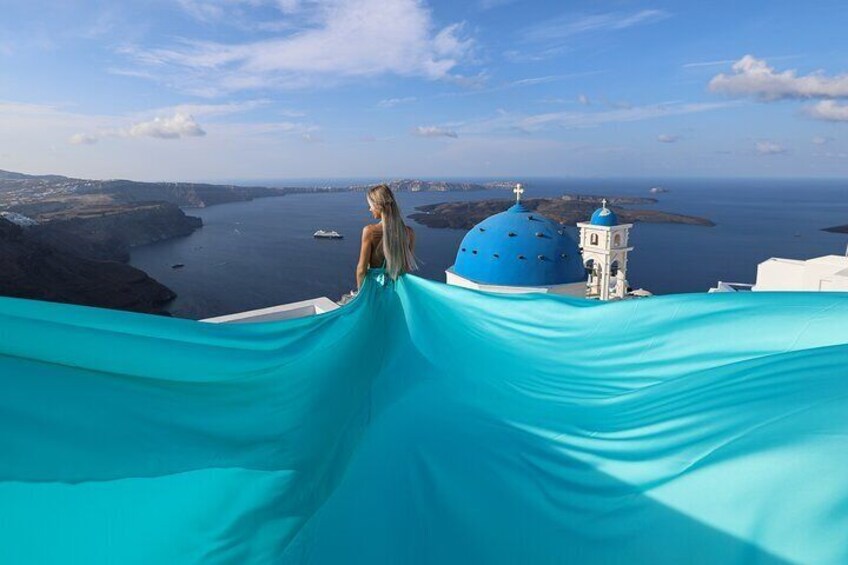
{"x": 108, "y": 231}
{"x": 34, "y": 269}
{"x": 179, "y": 193}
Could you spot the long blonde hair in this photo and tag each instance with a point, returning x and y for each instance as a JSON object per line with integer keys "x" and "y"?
{"x": 399, "y": 258}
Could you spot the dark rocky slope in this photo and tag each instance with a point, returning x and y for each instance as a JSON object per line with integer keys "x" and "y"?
{"x": 35, "y": 269}
{"x": 108, "y": 231}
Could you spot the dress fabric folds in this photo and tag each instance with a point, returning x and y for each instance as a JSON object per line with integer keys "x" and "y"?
{"x": 429, "y": 424}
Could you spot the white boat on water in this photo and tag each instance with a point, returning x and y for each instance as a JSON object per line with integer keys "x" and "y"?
{"x": 321, "y": 234}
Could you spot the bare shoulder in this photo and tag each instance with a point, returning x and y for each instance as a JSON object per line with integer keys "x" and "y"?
{"x": 370, "y": 231}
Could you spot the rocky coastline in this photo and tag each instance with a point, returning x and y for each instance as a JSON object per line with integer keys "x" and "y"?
{"x": 107, "y": 232}
{"x": 35, "y": 269}
{"x": 69, "y": 240}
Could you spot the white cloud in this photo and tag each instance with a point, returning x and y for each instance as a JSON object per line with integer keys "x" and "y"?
{"x": 289, "y": 6}
{"x": 134, "y": 73}
{"x": 753, "y": 77}
{"x": 392, "y": 102}
{"x": 476, "y": 86}
{"x": 175, "y": 127}
{"x": 584, "y": 100}
{"x": 206, "y": 110}
{"x": 570, "y": 25}
{"x": 517, "y": 56}
{"x": 707, "y": 63}
{"x": 631, "y": 114}
{"x": 505, "y": 121}
{"x": 83, "y": 139}
{"x": 668, "y": 138}
{"x": 228, "y": 11}
{"x": 821, "y": 140}
{"x": 434, "y": 131}
{"x": 828, "y": 110}
{"x": 770, "y": 148}
{"x": 343, "y": 39}
{"x": 533, "y": 80}
{"x": 37, "y": 137}
{"x": 203, "y": 11}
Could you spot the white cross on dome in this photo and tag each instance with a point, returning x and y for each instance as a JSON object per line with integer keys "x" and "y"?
{"x": 518, "y": 190}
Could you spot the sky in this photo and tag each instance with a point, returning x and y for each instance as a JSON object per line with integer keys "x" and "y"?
{"x": 284, "y": 89}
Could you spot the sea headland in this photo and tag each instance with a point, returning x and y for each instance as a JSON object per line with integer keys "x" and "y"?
{"x": 837, "y": 229}
{"x": 68, "y": 239}
{"x": 568, "y": 210}
{"x": 34, "y": 268}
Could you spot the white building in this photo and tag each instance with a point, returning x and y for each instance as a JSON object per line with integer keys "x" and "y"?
{"x": 605, "y": 245}
{"x": 828, "y": 273}
{"x": 519, "y": 251}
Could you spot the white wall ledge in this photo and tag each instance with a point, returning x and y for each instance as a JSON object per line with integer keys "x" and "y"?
{"x": 302, "y": 309}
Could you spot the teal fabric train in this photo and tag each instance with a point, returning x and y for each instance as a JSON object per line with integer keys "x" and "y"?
{"x": 428, "y": 424}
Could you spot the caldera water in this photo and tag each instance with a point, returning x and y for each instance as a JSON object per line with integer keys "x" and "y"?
{"x": 261, "y": 253}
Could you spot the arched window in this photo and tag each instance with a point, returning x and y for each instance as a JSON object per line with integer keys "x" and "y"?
{"x": 617, "y": 240}
{"x": 593, "y": 239}
{"x": 614, "y": 269}
{"x": 590, "y": 267}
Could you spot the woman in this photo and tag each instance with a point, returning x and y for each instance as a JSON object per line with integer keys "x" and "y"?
{"x": 389, "y": 244}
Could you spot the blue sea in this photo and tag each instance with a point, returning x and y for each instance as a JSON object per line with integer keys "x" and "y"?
{"x": 261, "y": 253}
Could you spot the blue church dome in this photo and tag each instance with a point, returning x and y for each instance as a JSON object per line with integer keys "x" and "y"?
{"x": 519, "y": 248}
{"x": 604, "y": 217}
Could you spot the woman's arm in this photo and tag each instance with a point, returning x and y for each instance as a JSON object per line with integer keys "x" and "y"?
{"x": 364, "y": 257}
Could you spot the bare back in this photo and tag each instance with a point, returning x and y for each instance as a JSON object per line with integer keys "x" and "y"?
{"x": 376, "y": 237}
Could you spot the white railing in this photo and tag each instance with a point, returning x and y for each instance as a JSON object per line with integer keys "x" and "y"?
{"x": 731, "y": 287}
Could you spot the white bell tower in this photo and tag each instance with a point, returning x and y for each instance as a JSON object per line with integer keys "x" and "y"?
{"x": 605, "y": 244}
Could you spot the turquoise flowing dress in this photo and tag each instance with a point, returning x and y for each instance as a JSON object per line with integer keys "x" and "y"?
{"x": 430, "y": 424}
